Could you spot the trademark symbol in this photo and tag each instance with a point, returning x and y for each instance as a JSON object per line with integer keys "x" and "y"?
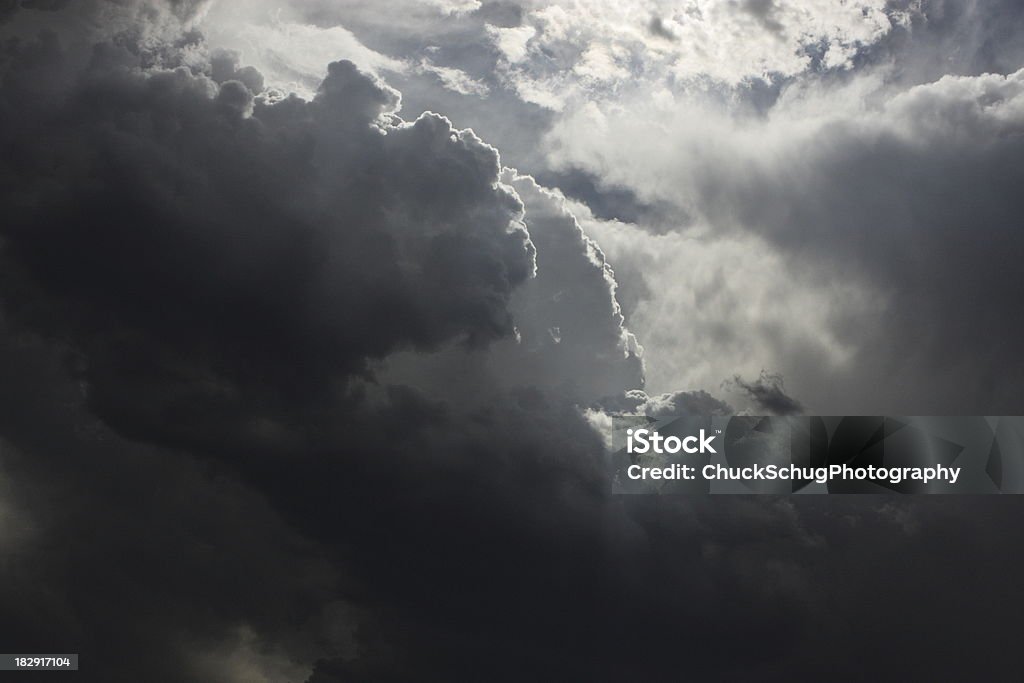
{"x": 718, "y": 431}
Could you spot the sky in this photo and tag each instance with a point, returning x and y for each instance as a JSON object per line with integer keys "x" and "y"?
{"x": 313, "y": 316}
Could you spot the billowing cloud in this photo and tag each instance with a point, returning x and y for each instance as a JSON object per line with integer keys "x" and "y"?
{"x": 221, "y": 272}
{"x": 690, "y": 151}
{"x": 299, "y": 387}
{"x": 342, "y": 217}
{"x": 700, "y": 324}
{"x": 566, "y": 52}
{"x": 570, "y": 337}
{"x": 885, "y": 194}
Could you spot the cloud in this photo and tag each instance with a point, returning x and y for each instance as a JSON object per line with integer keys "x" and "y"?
{"x": 455, "y": 80}
{"x": 565, "y": 53}
{"x": 224, "y": 276}
{"x": 570, "y": 308}
{"x": 342, "y": 218}
{"x": 766, "y": 12}
{"x": 222, "y": 284}
{"x": 675, "y": 404}
{"x": 297, "y": 387}
{"x": 661, "y": 28}
{"x": 768, "y": 394}
{"x": 289, "y": 51}
{"x": 891, "y": 206}
{"x": 9, "y": 7}
{"x": 570, "y": 337}
{"x": 654, "y": 147}
{"x": 953, "y": 37}
{"x": 115, "y": 544}
{"x": 707, "y": 306}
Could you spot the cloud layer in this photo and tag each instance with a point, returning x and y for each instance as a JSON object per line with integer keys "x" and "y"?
{"x": 305, "y": 388}
{"x": 904, "y": 198}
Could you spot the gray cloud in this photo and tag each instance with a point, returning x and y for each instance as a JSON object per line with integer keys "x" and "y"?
{"x": 891, "y": 210}
{"x": 920, "y": 204}
{"x": 961, "y": 37}
{"x": 657, "y": 27}
{"x": 112, "y": 546}
{"x": 768, "y": 394}
{"x": 342, "y": 220}
{"x": 764, "y": 11}
{"x": 570, "y": 337}
{"x": 265, "y": 414}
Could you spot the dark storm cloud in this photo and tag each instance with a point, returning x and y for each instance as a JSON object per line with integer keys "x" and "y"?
{"x": 9, "y": 7}
{"x": 218, "y": 269}
{"x": 138, "y": 558}
{"x": 250, "y": 256}
{"x": 768, "y": 394}
{"x": 224, "y": 276}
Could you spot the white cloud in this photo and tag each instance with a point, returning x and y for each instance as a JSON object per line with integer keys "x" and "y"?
{"x": 455, "y": 80}
{"x": 721, "y": 306}
{"x": 512, "y": 41}
{"x": 865, "y": 234}
{"x": 291, "y": 55}
{"x": 575, "y": 49}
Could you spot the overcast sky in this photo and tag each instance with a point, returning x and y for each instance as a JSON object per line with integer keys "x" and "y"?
{"x": 312, "y": 315}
